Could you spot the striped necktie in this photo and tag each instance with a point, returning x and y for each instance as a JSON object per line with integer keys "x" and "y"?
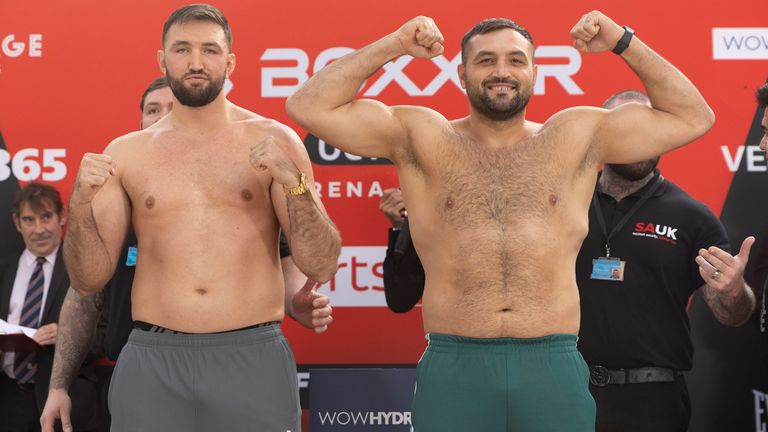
{"x": 24, "y": 366}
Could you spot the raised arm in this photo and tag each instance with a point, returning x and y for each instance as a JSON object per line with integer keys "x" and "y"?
{"x": 314, "y": 240}
{"x": 325, "y": 105}
{"x": 99, "y": 215}
{"x": 632, "y": 132}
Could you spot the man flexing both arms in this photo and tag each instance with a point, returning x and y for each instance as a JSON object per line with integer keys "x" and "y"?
{"x": 498, "y": 210}
{"x": 207, "y": 189}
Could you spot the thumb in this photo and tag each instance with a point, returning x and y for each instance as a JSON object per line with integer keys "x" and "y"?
{"x": 745, "y": 247}
{"x": 580, "y": 45}
{"x": 308, "y": 287}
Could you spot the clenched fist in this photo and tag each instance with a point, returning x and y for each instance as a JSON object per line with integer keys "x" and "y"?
{"x": 420, "y": 38}
{"x": 393, "y": 206}
{"x": 95, "y": 170}
{"x": 267, "y": 154}
{"x": 596, "y": 33}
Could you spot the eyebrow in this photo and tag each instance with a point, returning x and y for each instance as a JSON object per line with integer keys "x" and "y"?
{"x": 512, "y": 53}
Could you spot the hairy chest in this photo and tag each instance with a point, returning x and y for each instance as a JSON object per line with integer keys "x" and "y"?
{"x": 501, "y": 185}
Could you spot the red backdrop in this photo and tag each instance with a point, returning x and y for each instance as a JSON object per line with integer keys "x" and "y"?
{"x": 77, "y": 85}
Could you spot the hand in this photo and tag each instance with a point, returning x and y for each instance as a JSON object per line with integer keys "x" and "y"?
{"x": 57, "y": 406}
{"x": 267, "y": 154}
{"x": 46, "y": 335}
{"x": 596, "y": 33}
{"x": 392, "y": 206}
{"x": 420, "y": 38}
{"x": 312, "y": 309}
{"x": 95, "y": 170}
{"x": 723, "y": 272}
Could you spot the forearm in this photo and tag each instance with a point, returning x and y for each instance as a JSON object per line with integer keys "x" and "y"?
{"x": 732, "y": 309}
{"x": 77, "y": 325}
{"x": 315, "y": 241}
{"x": 668, "y": 89}
{"x": 339, "y": 82}
{"x": 85, "y": 254}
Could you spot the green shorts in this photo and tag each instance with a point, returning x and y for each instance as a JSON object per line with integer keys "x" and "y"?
{"x": 503, "y": 384}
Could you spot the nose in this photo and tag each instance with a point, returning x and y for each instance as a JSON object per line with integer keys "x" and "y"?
{"x": 195, "y": 61}
{"x": 39, "y": 227}
{"x": 764, "y": 142}
{"x": 501, "y": 70}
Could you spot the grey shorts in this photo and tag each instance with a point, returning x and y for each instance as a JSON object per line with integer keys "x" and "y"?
{"x": 238, "y": 381}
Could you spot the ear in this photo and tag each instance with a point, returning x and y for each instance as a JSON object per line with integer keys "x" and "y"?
{"x": 17, "y": 222}
{"x": 230, "y": 64}
{"x": 63, "y": 217}
{"x": 460, "y": 71}
{"x": 535, "y": 73}
{"x": 161, "y": 60}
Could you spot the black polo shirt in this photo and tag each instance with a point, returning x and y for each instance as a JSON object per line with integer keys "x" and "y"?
{"x": 642, "y": 321}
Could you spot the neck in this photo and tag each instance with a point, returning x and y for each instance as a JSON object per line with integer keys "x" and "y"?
{"x": 617, "y": 186}
{"x": 204, "y": 118}
{"x": 497, "y": 131}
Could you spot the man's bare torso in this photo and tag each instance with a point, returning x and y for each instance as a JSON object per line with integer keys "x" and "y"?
{"x": 498, "y": 227}
{"x": 206, "y": 226}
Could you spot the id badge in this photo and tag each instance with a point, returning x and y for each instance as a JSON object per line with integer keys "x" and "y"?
{"x": 130, "y": 260}
{"x": 611, "y": 269}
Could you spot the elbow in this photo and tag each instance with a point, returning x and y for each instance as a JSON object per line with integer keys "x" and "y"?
{"x": 85, "y": 289}
{"x": 328, "y": 268}
{"x": 295, "y": 108}
{"x": 703, "y": 121}
{"x": 324, "y": 275}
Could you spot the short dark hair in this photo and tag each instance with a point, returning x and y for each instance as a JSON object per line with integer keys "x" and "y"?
{"x": 37, "y": 196}
{"x": 199, "y": 12}
{"x": 157, "y": 84}
{"x": 762, "y": 95}
{"x": 626, "y": 95}
{"x": 492, "y": 25}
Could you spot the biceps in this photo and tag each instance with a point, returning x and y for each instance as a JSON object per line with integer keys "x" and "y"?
{"x": 362, "y": 127}
{"x": 636, "y": 133}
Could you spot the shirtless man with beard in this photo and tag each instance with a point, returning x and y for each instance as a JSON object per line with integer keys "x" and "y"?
{"x": 207, "y": 189}
{"x": 498, "y": 210}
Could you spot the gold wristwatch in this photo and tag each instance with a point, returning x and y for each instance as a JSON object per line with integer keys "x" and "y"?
{"x": 302, "y": 188}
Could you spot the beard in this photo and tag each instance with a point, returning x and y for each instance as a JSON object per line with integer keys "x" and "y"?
{"x": 195, "y": 96}
{"x": 635, "y": 171}
{"x": 499, "y": 108}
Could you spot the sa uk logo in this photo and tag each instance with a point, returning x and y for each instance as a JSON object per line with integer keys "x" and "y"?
{"x": 656, "y": 231}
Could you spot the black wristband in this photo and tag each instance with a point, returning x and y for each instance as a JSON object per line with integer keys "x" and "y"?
{"x": 624, "y": 41}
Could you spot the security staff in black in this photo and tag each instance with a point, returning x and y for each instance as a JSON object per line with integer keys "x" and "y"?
{"x": 649, "y": 247}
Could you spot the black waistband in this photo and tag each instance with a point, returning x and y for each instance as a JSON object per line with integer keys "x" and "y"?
{"x": 141, "y": 325}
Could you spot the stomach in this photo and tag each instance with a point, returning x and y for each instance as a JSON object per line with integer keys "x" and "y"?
{"x": 207, "y": 277}
{"x": 512, "y": 281}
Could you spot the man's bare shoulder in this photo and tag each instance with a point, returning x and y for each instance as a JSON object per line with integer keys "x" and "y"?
{"x": 420, "y": 117}
{"x": 123, "y": 144}
{"x": 580, "y": 117}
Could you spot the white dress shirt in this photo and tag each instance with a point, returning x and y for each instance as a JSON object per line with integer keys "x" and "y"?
{"x": 27, "y": 263}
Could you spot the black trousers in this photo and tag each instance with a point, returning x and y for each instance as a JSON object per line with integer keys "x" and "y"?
{"x": 104, "y": 374}
{"x": 644, "y": 407}
{"x": 18, "y": 407}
